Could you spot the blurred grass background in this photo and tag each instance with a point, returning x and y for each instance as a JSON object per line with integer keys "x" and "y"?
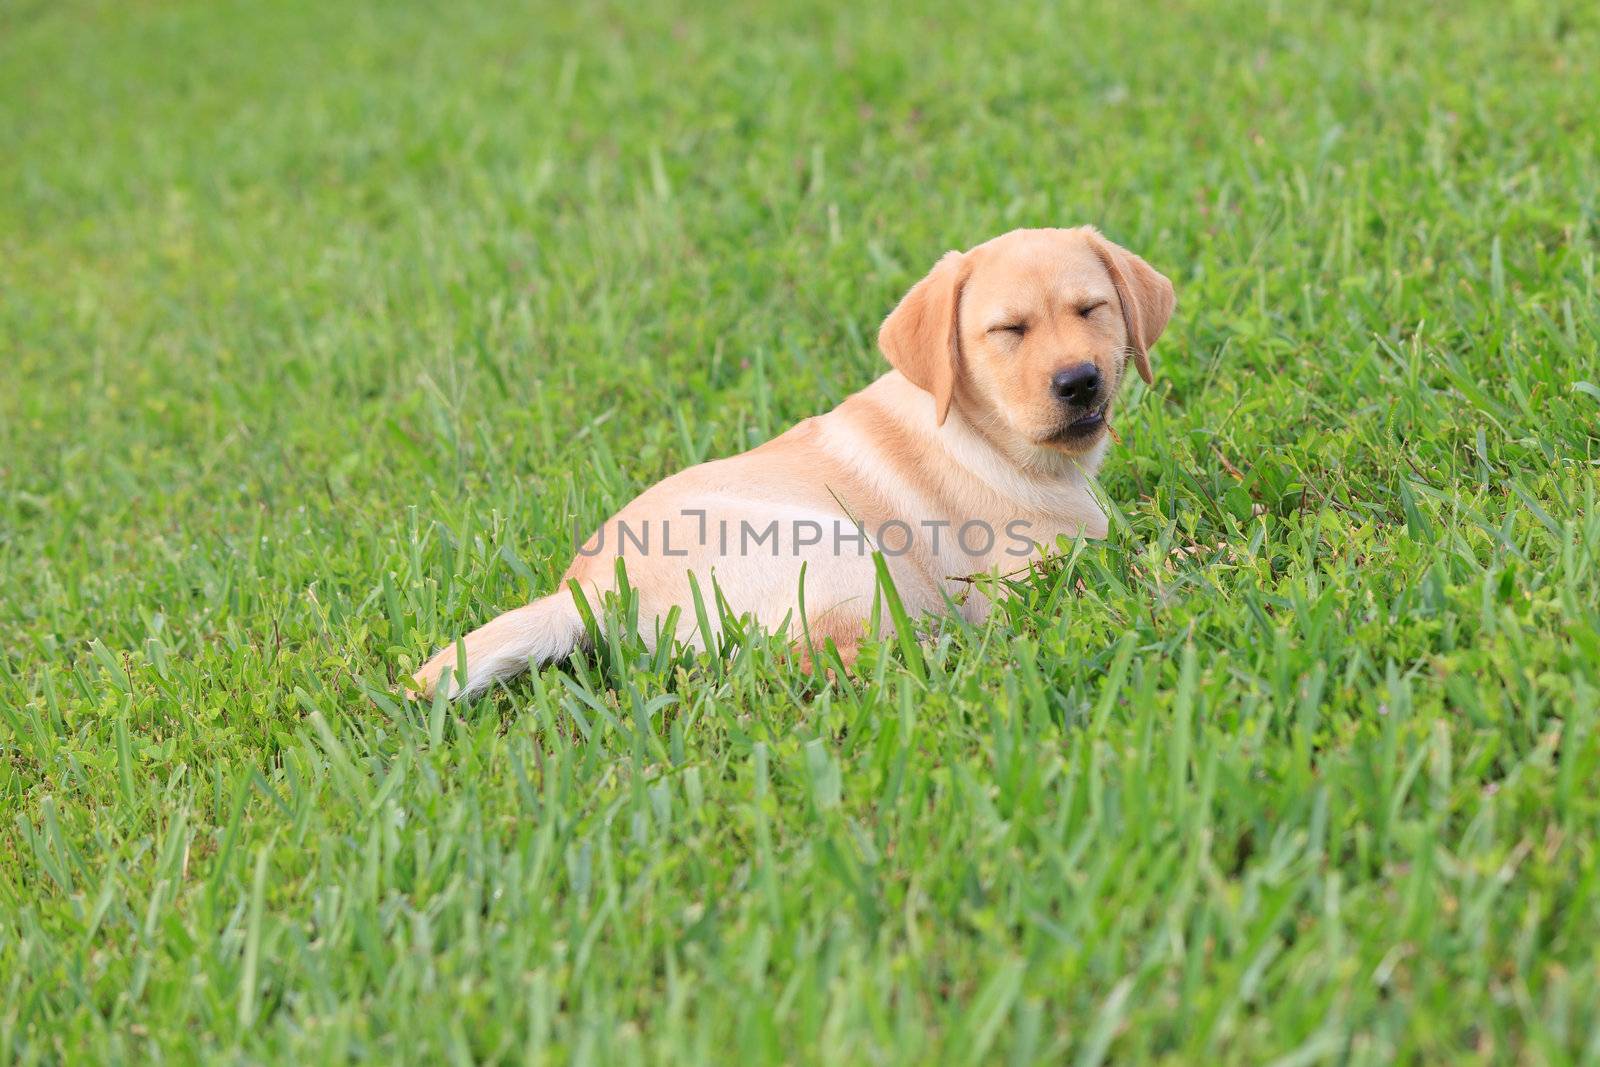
{"x": 322, "y": 323}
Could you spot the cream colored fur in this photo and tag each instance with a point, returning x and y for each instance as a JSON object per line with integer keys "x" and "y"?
{"x": 966, "y": 429}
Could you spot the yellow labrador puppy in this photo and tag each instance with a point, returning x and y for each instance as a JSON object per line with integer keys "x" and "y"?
{"x": 972, "y": 455}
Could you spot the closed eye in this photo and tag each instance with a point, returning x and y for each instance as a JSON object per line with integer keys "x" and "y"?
{"x": 1017, "y": 328}
{"x": 1089, "y": 309}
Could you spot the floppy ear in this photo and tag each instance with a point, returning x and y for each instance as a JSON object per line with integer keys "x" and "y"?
{"x": 1145, "y": 294}
{"x": 921, "y": 337}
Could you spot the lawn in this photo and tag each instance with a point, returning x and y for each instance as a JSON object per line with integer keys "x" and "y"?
{"x": 323, "y": 324}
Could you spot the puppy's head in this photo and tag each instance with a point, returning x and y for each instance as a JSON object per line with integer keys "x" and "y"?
{"x": 1031, "y": 333}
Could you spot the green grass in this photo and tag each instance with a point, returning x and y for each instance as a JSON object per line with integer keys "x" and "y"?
{"x": 321, "y": 323}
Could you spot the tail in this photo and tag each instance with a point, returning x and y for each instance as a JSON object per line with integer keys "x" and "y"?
{"x": 547, "y": 630}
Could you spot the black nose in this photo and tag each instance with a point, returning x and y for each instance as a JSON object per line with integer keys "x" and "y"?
{"x": 1077, "y": 385}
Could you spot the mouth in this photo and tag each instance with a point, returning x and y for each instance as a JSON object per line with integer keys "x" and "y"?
{"x": 1084, "y": 428}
